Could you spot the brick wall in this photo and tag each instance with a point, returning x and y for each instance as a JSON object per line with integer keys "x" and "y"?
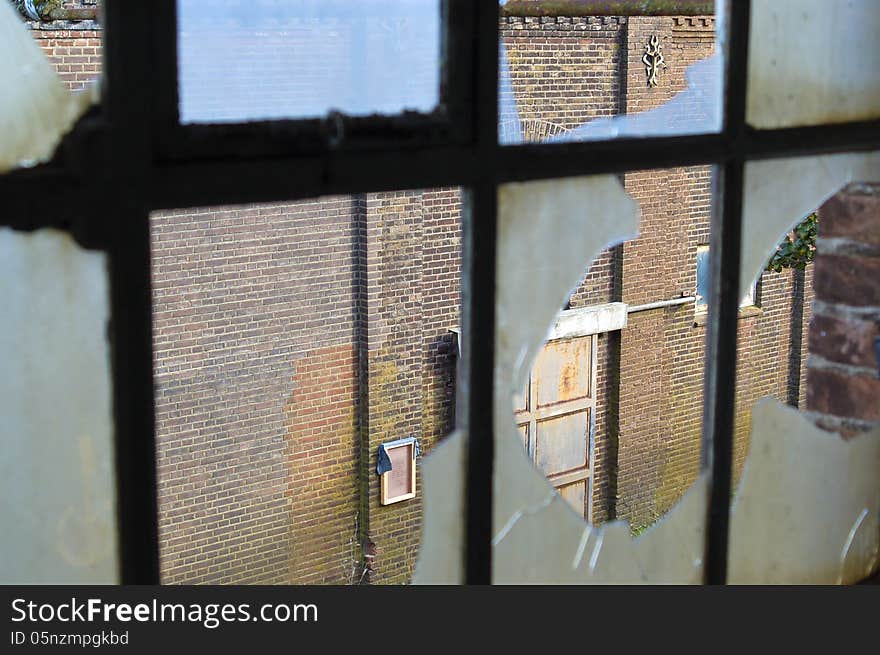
{"x": 256, "y": 392}
{"x": 73, "y": 50}
{"x": 564, "y": 71}
{"x": 843, "y": 378}
{"x": 413, "y": 262}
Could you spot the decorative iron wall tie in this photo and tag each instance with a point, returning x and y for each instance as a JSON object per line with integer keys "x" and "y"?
{"x": 653, "y": 59}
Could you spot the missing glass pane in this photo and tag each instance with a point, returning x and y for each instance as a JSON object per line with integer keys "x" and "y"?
{"x": 533, "y": 518}
{"x": 805, "y": 509}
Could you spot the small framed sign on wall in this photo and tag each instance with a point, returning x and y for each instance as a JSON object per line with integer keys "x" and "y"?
{"x": 397, "y": 470}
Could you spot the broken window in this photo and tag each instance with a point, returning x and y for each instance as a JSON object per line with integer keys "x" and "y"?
{"x": 293, "y": 342}
{"x": 534, "y": 221}
{"x": 790, "y": 522}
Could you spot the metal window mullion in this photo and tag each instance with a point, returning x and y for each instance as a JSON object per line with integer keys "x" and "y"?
{"x": 124, "y": 215}
{"x": 721, "y": 349}
{"x": 478, "y": 301}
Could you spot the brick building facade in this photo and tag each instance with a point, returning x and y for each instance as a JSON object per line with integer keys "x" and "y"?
{"x": 292, "y": 339}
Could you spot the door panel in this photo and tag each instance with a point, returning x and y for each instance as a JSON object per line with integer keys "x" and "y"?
{"x": 562, "y": 371}
{"x": 576, "y": 496}
{"x": 562, "y": 443}
{"x": 554, "y": 416}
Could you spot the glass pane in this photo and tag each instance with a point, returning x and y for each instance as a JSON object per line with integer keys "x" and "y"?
{"x": 570, "y": 76}
{"x": 57, "y": 476}
{"x": 43, "y": 98}
{"x": 812, "y": 62}
{"x": 247, "y": 61}
{"x": 807, "y": 456}
{"x": 611, "y": 490}
{"x": 291, "y": 341}
{"x": 72, "y": 39}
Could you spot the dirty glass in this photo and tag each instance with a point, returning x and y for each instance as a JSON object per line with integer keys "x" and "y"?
{"x": 812, "y": 62}
{"x": 57, "y": 475}
{"x": 259, "y": 60}
{"x": 43, "y": 97}
{"x": 793, "y": 520}
{"x": 292, "y": 341}
{"x": 581, "y": 77}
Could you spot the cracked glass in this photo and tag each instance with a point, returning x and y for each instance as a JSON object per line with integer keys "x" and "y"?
{"x": 573, "y": 503}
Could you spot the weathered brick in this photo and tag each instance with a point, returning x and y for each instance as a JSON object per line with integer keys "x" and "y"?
{"x": 847, "y": 279}
{"x": 847, "y": 396}
{"x": 853, "y": 214}
{"x": 844, "y": 340}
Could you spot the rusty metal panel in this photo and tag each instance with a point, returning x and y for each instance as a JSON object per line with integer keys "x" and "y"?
{"x": 562, "y": 371}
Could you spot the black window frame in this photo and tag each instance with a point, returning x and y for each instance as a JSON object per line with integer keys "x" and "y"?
{"x": 129, "y": 157}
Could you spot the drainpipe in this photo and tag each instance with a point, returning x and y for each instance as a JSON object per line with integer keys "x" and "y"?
{"x": 661, "y": 303}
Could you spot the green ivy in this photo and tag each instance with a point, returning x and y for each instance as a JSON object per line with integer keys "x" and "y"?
{"x": 798, "y": 248}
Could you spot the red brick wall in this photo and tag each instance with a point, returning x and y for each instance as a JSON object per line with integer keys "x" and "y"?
{"x": 75, "y": 53}
{"x": 843, "y": 379}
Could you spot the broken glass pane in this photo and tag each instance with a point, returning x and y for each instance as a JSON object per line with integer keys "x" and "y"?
{"x": 813, "y": 61}
{"x": 440, "y": 556}
{"x": 37, "y": 108}
{"x": 56, "y": 469}
{"x": 576, "y": 77}
{"x": 794, "y": 518}
{"x": 778, "y": 194}
{"x": 807, "y": 510}
{"x": 539, "y": 536}
{"x": 265, "y": 59}
{"x": 71, "y": 37}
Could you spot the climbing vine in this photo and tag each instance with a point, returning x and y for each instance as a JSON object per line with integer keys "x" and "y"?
{"x": 798, "y": 248}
